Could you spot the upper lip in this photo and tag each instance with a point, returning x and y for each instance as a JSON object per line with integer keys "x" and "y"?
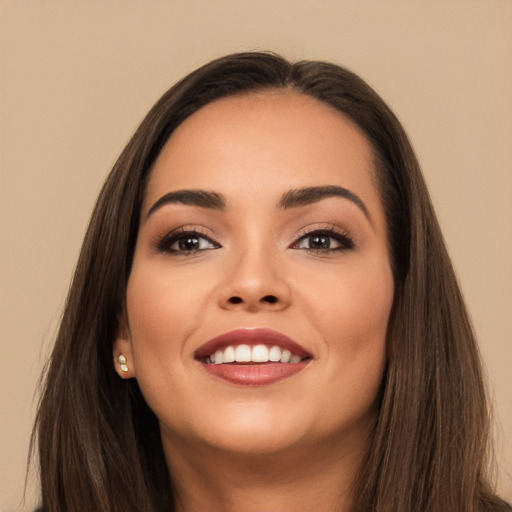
{"x": 247, "y": 336}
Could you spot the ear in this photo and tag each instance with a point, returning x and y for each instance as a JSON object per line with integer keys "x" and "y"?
{"x": 123, "y": 347}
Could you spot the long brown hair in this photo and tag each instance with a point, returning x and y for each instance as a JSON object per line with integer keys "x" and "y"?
{"x": 99, "y": 443}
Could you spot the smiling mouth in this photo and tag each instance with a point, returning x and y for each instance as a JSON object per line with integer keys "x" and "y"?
{"x": 257, "y": 354}
{"x": 252, "y": 357}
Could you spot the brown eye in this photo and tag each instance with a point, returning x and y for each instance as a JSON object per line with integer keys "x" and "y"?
{"x": 324, "y": 241}
{"x": 190, "y": 243}
{"x": 319, "y": 242}
{"x": 186, "y": 242}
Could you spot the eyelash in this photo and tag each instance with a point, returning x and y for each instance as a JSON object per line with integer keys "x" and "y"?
{"x": 344, "y": 239}
{"x": 165, "y": 243}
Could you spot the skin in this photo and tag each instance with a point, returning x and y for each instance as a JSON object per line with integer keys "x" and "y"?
{"x": 298, "y": 442}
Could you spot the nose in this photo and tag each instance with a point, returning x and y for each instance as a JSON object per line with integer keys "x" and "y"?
{"x": 255, "y": 282}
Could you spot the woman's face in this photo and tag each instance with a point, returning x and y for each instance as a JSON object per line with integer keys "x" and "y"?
{"x": 262, "y": 239}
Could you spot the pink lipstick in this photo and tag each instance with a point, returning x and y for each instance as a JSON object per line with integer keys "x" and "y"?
{"x": 252, "y": 357}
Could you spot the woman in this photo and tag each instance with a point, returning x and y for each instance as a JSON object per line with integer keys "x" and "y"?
{"x": 264, "y": 316}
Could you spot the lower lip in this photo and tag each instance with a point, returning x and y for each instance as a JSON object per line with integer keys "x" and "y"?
{"x": 254, "y": 374}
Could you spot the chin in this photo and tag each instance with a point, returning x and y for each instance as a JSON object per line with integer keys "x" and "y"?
{"x": 254, "y": 430}
{"x": 259, "y": 439}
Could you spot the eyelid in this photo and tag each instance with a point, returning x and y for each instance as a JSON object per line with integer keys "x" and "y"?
{"x": 163, "y": 243}
{"x": 342, "y": 236}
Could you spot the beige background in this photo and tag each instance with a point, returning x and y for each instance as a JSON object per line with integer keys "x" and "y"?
{"x": 76, "y": 78}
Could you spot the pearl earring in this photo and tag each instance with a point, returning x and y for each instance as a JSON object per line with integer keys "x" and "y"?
{"x": 122, "y": 363}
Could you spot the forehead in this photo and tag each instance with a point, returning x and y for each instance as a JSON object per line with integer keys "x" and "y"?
{"x": 265, "y": 141}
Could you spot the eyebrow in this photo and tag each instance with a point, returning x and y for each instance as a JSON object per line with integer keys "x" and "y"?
{"x": 200, "y": 198}
{"x": 289, "y": 200}
{"x": 310, "y": 195}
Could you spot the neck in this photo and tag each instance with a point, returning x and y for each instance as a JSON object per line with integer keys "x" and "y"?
{"x": 299, "y": 480}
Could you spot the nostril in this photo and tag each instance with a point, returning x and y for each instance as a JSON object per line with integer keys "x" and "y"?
{"x": 269, "y": 299}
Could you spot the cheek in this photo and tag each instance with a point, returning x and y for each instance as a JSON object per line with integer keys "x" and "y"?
{"x": 352, "y": 311}
{"x": 353, "y": 302}
{"x": 163, "y": 308}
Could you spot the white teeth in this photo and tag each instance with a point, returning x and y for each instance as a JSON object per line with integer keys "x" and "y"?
{"x": 229, "y": 355}
{"x": 285, "y": 356}
{"x": 259, "y": 354}
{"x": 219, "y": 357}
{"x": 243, "y": 354}
{"x": 255, "y": 354}
{"x": 274, "y": 354}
